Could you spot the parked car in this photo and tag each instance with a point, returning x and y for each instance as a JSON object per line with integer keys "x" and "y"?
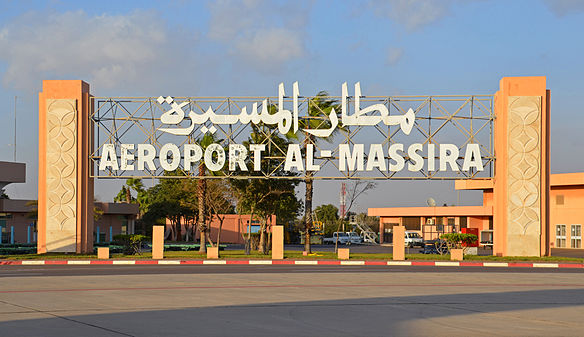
{"x": 436, "y": 246}
{"x": 413, "y": 239}
{"x": 342, "y": 237}
{"x": 355, "y": 238}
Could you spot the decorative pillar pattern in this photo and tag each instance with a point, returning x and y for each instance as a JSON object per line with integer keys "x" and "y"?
{"x": 524, "y": 176}
{"x": 61, "y": 173}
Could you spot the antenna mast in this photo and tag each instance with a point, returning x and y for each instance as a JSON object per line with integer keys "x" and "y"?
{"x": 343, "y": 203}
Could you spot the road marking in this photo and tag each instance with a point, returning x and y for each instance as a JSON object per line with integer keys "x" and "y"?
{"x": 260, "y": 261}
{"x": 214, "y": 262}
{"x": 168, "y": 262}
{"x": 352, "y": 263}
{"x": 124, "y": 262}
{"x": 399, "y": 263}
{"x": 306, "y": 262}
{"x": 78, "y": 262}
{"x": 545, "y": 265}
{"x": 335, "y": 285}
{"x": 33, "y": 262}
{"x": 447, "y": 263}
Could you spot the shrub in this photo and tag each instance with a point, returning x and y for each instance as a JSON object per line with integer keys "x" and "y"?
{"x": 458, "y": 240}
{"x": 132, "y": 243}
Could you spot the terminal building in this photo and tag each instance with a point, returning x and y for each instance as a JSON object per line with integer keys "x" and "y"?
{"x": 18, "y": 218}
{"x": 566, "y": 209}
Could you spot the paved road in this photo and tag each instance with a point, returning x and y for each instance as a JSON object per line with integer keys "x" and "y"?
{"x": 289, "y": 301}
{"x": 65, "y": 270}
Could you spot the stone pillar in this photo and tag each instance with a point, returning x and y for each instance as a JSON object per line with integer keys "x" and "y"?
{"x": 343, "y": 253}
{"x": 158, "y": 242}
{"x": 522, "y": 169}
{"x": 277, "y": 242}
{"x": 213, "y": 252}
{"x": 103, "y": 253}
{"x": 65, "y": 190}
{"x": 381, "y": 230}
{"x": 399, "y": 243}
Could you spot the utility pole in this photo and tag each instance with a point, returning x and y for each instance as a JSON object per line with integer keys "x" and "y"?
{"x": 15, "y": 128}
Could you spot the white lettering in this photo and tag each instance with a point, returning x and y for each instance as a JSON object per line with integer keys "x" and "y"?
{"x": 237, "y": 156}
{"x": 257, "y": 155}
{"x": 127, "y": 156}
{"x": 164, "y": 154}
{"x": 146, "y": 154}
{"x": 416, "y": 161}
{"x": 375, "y": 158}
{"x": 348, "y": 159}
{"x": 310, "y": 158}
{"x": 448, "y": 155}
{"x": 193, "y": 153}
{"x": 293, "y": 158}
{"x": 211, "y": 165}
{"x": 472, "y": 158}
{"x": 395, "y": 156}
{"x": 108, "y": 158}
{"x": 431, "y": 157}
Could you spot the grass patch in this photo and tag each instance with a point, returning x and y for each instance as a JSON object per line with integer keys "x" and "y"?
{"x": 289, "y": 254}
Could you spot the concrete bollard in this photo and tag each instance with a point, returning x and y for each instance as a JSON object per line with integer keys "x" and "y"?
{"x": 456, "y": 254}
{"x": 103, "y": 253}
{"x": 213, "y": 252}
{"x": 399, "y": 243}
{"x": 157, "y": 242}
{"x": 277, "y": 242}
{"x": 343, "y": 253}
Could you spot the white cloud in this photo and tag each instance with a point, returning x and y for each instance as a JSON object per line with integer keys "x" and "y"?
{"x": 565, "y": 7}
{"x": 413, "y": 14}
{"x": 265, "y": 34}
{"x": 109, "y": 51}
{"x": 271, "y": 48}
{"x": 393, "y": 55}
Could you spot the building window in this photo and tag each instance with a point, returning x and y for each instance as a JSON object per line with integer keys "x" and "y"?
{"x": 5, "y": 234}
{"x": 559, "y": 199}
{"x": 412, "y": 223}
{"x": 463, "y": 222}
{"x": 576, "y": 236}
{"x": 561, "y": 236}
{"x": 440, "y": 224}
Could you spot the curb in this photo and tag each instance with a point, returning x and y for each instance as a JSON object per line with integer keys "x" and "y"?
{"x": 299, "y": 262}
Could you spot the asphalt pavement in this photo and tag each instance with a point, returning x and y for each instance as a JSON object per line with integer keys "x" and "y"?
{"x": 231, "y": 300}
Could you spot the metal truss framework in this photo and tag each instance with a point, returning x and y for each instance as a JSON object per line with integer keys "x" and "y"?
{"x": 439, "y": 119}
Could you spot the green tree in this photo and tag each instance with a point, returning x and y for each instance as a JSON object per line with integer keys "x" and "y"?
{"x": 318, "y": 111}
{"x": 169, "y": 200}
{"x": 329, "y": 215}
{"x": 264, "y": 197}
{"x": 202, "y": 222}
{"x": 220, "y": 200}
{"x": 125, "y": 194}
{"x": 33, "y": 212}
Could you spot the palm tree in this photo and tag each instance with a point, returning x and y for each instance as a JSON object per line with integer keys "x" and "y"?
{"x": 318, "y": 107}
{"x": 207, "y": 140}
{"x": 125, "y": 194}
{"x": 33, "y": 213}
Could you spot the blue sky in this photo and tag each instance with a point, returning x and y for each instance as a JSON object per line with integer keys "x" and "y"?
{"x": 236, "y": 48}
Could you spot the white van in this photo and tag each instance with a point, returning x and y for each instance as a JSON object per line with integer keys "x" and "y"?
{"x": 413, "y": 239}
{"x": 343, "y": 239}
{"x": 355, "y": 238}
